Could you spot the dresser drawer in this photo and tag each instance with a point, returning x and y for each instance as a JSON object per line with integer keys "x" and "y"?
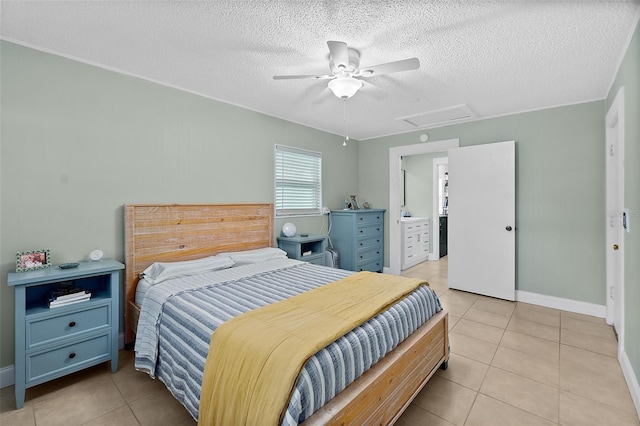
{"x": 369, "y": 243}
{"x": 369, "y": 219}
{"x": 50, "y": 329}
{"x": 374, "y": 266}
{"x": 369, "y": 231}
{"x": 365, "y": 256}
{"x": 46, "y": 365}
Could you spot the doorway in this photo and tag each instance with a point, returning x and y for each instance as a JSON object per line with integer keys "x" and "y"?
{"x": 395, "y": 160}
{"x": 440, "y": 205}
{"x": 614, "y": 164}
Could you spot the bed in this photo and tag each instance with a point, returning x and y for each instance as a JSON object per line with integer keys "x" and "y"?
{"x": 173, "y": 232}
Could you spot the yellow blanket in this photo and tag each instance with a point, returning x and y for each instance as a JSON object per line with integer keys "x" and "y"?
{"x": 254, "y": 359}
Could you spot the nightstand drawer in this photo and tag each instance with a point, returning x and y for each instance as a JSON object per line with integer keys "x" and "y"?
{"x": 55, "y": 363}
{"x": 316, "y": 259}
{"x": 48, "y": 330}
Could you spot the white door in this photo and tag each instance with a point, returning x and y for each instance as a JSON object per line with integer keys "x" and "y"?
{"x": 613, "y": 219}
{"x": 482, "y": 219}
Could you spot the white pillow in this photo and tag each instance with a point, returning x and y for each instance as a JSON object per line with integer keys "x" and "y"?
{"x": 254, "y": 256}
{"x": 162, "y": 271}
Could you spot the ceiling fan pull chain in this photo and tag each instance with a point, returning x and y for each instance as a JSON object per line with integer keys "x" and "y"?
{"x": 346, "y": 136}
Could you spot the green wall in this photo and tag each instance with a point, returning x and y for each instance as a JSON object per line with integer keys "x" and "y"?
{"x": 78, "y": 142}
{"x": 560, "y": 192}
{"x": 629, "y": 77}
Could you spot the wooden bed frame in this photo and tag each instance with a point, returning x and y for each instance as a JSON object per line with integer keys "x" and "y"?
{"x": 175, "y": 232}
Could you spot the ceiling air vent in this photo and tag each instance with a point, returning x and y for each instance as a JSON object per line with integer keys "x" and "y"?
{"x": 440, "y": 117}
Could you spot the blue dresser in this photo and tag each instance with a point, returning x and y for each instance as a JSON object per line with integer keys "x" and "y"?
{"x": 51, "y": 342}
{"x": 358, "y": 236}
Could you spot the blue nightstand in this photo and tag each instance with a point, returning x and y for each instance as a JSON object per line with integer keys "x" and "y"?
{"x": 53, "y": 342}
{"x": 308, "y": 249}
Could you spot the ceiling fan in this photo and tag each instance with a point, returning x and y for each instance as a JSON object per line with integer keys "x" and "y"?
{"x": 346, "y": 76}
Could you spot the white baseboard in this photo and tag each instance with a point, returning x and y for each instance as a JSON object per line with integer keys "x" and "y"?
{"x": 7, "y": 377}
{"x": 632, "y": 381}
{"x": 569, "y": 305}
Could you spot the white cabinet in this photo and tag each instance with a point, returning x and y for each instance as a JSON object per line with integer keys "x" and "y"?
{"x": 415, "y": 241}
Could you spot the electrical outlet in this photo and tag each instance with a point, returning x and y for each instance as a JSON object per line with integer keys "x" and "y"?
{"x": 325, "y": 210}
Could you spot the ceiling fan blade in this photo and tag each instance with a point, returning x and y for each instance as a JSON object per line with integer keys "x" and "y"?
{"x": 339, "y": 53}
{"x": 372, "y": 90}
{"x": 389, "y": 67}
{"x": 297, "y": 77}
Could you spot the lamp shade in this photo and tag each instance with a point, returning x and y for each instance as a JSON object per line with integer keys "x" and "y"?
{"x": 345, "y": 87}
{"x": 289, "y": 229}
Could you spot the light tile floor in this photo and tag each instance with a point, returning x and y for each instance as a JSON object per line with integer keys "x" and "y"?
{"x": 519, "y": 364}
{"x": 511, "y": 364}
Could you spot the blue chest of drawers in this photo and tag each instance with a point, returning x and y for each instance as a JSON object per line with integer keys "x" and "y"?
{"x": 358, "y": 236}
{"x": 53, "y": 342}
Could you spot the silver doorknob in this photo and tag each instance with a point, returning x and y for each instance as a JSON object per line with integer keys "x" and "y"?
{"x": 509, "y": 228}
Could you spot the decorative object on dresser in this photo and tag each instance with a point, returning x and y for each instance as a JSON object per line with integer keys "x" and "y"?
{"x": 415, "y": 241}
{"x": 51, "y": 343}
{"x": 353, "y": 200}
{"x": 358, "y": 235}
{"x": 31, "y": 260}
{"x": 309, "y": 249}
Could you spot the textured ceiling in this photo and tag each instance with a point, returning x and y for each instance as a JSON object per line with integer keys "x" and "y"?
{"x": 487, "y": 57}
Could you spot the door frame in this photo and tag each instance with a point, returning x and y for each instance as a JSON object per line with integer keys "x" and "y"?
{"x": 614, "y": 187}
{"x": 395, "y": 154}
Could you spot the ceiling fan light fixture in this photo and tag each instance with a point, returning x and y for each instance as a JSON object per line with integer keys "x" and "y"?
{"x": 345, "y": 87}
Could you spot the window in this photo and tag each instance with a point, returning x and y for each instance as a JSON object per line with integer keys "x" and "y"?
{"x": 298, "y": 182}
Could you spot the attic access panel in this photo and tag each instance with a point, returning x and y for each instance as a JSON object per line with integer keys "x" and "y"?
{"x": 443, "y": 116}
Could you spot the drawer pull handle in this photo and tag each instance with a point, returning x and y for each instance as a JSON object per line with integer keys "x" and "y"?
{"x": 72, "y": 355}
{"x": 360, "y": 257}
{"x": 361, "y": 231}
{"x": 72, "y": 324}
{"x": 360, "y": 244}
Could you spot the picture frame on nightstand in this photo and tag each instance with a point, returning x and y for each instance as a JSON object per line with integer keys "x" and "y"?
{"x": 31, "y": 260}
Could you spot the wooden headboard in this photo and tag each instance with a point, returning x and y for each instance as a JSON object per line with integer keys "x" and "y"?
{"x": 175, "y": 232}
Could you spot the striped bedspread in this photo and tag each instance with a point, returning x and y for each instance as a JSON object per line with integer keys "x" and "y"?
{"x": 188, "y": 316}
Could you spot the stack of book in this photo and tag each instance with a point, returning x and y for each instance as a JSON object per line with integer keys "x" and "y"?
{"x": 64, "y": 297}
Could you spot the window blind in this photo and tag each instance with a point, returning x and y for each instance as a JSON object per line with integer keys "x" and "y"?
{"x": 298, "y": 181}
